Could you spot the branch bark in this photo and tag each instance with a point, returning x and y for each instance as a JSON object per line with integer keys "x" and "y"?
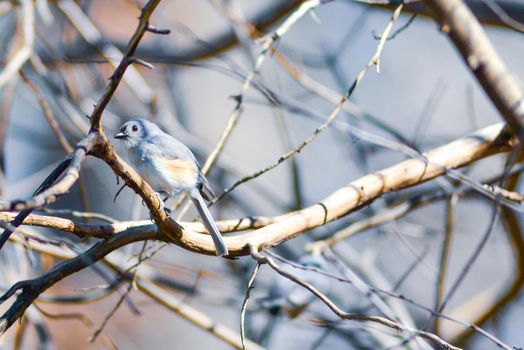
{"x": 470, "y": 39}
{"x": 461, "y": 152}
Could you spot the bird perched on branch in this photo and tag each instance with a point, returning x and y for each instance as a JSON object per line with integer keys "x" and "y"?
{"x": 169, "y": 167}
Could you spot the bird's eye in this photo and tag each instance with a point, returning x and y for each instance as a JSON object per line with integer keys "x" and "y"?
{"x": 134, "y": 128}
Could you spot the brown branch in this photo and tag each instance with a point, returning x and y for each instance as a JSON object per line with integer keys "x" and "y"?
{"x": 364, "y": 190}
{"x": 445, "y": 257}
{"x": 193, "y": 315}
{"x": 395, "y": 212}
{"x": 84, "y": 230}
{"x": 480, "y": 56}
{"x": 357, "y": 193}
{"x": 96, "y": 116}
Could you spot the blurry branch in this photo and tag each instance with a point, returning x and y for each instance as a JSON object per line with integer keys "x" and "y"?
{"x": 374, "y": 297}
{"x": 264, "y": 259}
{"x": 65, "y": 316}
{"x": 267, "y": 42}
{"x": 375, "y": 61}
{"x": 444, "y": 256}
{"x": 269, "y": 15}
{"x": 131, "y": 285}
{"x": 499, "y": 11}
{"x": 218, "y": 44}
{"x": 514, "y": 229}
{"x": 24, "y": 53}
{"x": 194, "y": 316}
{"x": 471, "y": 40}
{"x": 79, "y": 214}
{"x": 20, "y": 333}
{"x": 7, "y": 100}
{"x": 62, "y": 140}
{"x": 332, "y": 96}
{"x": 243, "y": 31}
{"x": 84, "y": 230}
{"x": 93, "y": 37}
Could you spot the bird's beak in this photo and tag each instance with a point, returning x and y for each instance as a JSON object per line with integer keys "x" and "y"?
{"x": 120, "y": 135}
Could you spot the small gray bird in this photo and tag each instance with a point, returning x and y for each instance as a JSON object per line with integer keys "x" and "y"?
{"x": 169, "y": 167}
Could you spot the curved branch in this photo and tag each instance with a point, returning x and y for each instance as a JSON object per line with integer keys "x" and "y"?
{"x": 84, "y": 230}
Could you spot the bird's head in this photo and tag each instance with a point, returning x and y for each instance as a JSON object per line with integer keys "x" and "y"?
{"x": 136, "y": 130}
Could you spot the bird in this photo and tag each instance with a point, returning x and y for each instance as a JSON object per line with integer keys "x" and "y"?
{"x": 170, "y": 168}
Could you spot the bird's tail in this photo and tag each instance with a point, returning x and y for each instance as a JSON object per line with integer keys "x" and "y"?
{"x": 209, "y": 223}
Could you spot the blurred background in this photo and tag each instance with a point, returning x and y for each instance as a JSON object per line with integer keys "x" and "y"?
{"x": 423, "y": 97}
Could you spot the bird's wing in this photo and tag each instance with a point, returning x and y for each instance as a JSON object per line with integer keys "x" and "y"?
{"x": 172, "y": 150}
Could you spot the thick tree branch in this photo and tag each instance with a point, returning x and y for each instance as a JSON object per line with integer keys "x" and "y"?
{"x": 357, "y": 193}
{"x": 471, "y": 40}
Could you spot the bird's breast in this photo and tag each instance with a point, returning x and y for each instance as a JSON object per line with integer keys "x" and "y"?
{"x": 164, "y": 174}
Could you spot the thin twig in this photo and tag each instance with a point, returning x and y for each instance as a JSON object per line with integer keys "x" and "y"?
{"x": 444, "y": 255}
{"x": 342, "y": 314}
{"x": 24, "y": 53}
{"x": 375, "y": 60}
{"x": 250, "y": 284}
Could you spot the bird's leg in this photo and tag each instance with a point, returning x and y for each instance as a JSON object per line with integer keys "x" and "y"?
{"x": 162, "y": 203}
